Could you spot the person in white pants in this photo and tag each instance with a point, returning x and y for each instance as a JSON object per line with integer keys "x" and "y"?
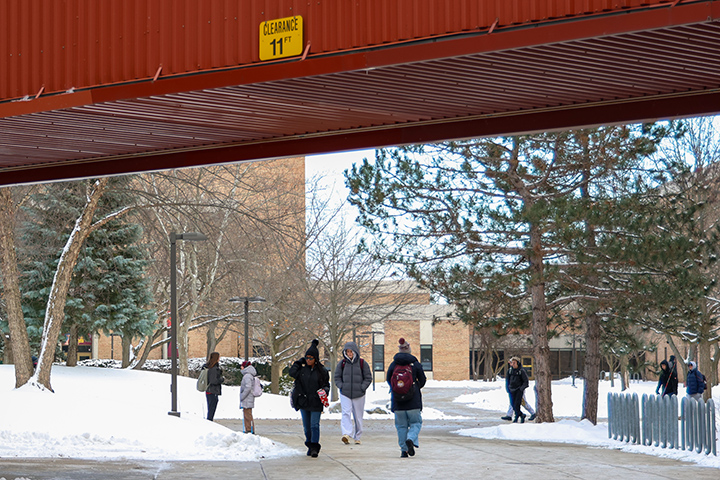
{"x": 352, "y": 377}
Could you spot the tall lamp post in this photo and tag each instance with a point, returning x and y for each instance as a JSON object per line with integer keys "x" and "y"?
{"x": 372, "y": 354}
{"x": 174, "y": 237}
{"x": 247, "y": 301}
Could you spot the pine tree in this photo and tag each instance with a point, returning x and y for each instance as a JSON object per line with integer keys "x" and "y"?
{"x": 494, "y": 217}
{"x": 109, "y": 291}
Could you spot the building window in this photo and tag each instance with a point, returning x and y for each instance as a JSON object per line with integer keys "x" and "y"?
{"x": 379, "y": 358}
{"x": 426, "y": 357}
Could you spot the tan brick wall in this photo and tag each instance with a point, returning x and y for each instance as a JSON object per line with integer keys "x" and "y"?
{"x": 451, "y": 347}
{"x": 229, "y": 347}
{"x": 407, "y": 329}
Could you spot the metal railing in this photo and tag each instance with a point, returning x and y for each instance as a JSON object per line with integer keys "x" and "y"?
{"x": 659, "y": 425}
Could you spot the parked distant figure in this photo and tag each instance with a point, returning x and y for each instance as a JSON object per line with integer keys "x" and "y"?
{"x": 215, "y": 381}
{"x": 311, "y": 377}
{"x": 695, "y": 382}
{"x": 352, "y": 377}
{"x": 247, "y": 398}
{"x": 668, "y": 381}
{"x": 516, "y": 381}
{"x": 407, "y": 407}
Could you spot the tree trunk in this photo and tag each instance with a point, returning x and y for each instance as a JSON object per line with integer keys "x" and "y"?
{"x": 704, "y": 363}
{"x": 488, "y": 370}
{"x": 592, "y": 367}
{"x": 55, "y": 311}
{"x": 126, "y": 346}
{"x": 72, "y": 351}
{"x": 333, "y": 362}
{"x": 19, "y": 343}
{"x": 624, "y": 373}
{"x": 210, "y": 340}
{"x": 541, "y": 348}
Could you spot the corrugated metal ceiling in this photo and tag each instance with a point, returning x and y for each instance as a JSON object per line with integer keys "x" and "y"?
{"x": 289, "y": 116}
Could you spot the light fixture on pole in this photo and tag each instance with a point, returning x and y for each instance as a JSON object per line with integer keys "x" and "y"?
{"x": 174, "y": 237}
{"x": 246, "y": 301}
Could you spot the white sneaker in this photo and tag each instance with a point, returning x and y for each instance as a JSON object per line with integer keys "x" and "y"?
{"x": 346, "y": 439}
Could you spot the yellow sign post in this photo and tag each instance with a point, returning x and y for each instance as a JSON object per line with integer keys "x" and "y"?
{"x": 281, "y": 38}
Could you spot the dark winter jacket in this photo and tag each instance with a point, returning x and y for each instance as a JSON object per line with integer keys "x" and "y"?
{"x": 419, "y": 379}
{"x": 668, "y": 381}
{"x": 694, "y": 382}
{"x": 307, "y": 382}
{"x": 352, "y": 377}
{"x": 516, "y": 380}
{"x": 215, "y": 380}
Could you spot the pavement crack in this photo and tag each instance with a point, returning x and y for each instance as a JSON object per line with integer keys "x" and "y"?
{"x": 344, "y": 466}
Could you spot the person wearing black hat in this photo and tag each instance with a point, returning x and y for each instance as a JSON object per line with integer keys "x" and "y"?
{"x": 311, "y": 378}
{"x": 405, "y": 370}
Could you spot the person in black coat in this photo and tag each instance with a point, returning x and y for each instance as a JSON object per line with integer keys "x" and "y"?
{"x": 408, "y": 418}
{"x": 668, "y": 382}
{"x": 215, "y": 381}
{"x": 310, "y": 377}
{"x": 516, "y": 382}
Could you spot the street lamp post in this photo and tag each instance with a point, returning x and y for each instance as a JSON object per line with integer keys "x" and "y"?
{"x": 246, "y": 301}
{"x": 174, "y": 237}
{"x": 372, "y": 354}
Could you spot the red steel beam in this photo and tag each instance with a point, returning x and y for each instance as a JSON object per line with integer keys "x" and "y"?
{"x": 643, "y": 110}
{"x": 660, "y": 16}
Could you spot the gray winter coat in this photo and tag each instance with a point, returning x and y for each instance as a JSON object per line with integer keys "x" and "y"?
{"x": 352, "y": 377}
{"x": 247, "y": 399}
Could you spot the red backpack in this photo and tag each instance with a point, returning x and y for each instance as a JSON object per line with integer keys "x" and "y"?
{"x": 402, "y": 383}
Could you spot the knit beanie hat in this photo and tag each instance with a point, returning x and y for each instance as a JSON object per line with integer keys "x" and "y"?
{"x": 245, "y": 364}
{"x": 403, "y": 346}
{"x": 313, "y": 350}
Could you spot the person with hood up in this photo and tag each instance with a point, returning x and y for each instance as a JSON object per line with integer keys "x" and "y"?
{"x": 695, "y": 382}
{"x": 247, "y": 399}
{"x": 517, "y": 381}
{"x": 215, "y": 381}
{"x": 408, "y": 418}
{"x": 668, "y": 381}
{"x": 352, "y": 378}
{"x": 311, "y": 377}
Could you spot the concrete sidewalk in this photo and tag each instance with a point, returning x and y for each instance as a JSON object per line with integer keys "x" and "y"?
{"x": 442, "y": 455}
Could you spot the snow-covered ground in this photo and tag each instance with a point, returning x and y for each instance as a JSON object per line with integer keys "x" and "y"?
{"x": 100, "y": 413}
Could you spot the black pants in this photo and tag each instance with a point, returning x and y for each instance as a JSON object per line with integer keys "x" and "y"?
{"x": 212, "y": 399}
{"x": 517, "y": 397}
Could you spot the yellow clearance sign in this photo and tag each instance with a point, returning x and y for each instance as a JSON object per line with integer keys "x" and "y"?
{"x": 280, "y": 38}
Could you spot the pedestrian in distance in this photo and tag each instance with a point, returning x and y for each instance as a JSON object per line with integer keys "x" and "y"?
{"x": 668, "y": 381}
{"x": 312, "y": 385}
{"x": 352, "y": 378}
{"x": 524, "y": 403}
{"x": 695, "y": 382}
{"x": 247, "y": 396}
{"x": 406, "y": 378}
{"x": 516, "y": 382}
{"x": 215, "y": 381}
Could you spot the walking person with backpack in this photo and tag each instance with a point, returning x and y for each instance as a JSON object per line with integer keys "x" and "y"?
{"x": 247, "y": 395}
{"x": 406, "y": 378}
{"x": 352, "y": 377}
{"x": 312, "y": 384}
{"x": 695, "y": 382}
